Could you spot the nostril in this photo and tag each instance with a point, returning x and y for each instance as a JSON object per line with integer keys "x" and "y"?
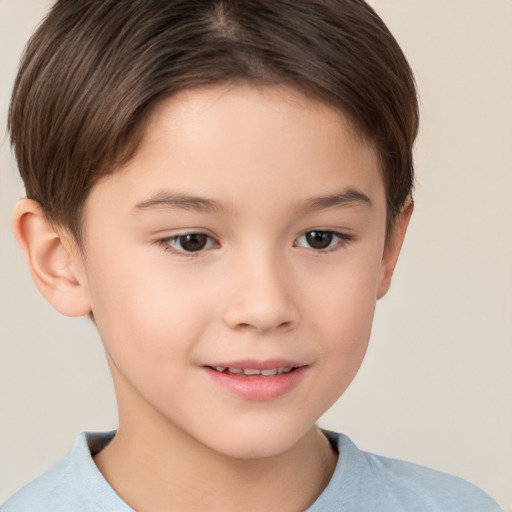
{"x": 260, "y": 327}
{"x": 244, "y": 326}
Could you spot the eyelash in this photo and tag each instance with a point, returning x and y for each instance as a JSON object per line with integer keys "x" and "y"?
{"x": 165, "y": 243}
{"x": 340, "y": 239}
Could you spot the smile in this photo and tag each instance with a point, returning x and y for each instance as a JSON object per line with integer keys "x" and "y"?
{"x": 255, "y": 381}
{"x": 270, "y": 372}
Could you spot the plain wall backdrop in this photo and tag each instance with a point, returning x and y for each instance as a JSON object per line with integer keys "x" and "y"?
{"x": 436, "y": 386}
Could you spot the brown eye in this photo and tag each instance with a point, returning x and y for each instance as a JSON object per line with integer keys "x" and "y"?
{"x": 319, "y": 239}
{"x": 192, "y": 242}
{"x": 323, "y": 240}
{"x": 188, "y": 244}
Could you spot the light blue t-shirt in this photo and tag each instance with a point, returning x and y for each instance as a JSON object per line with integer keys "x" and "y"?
{"x": 362, "y": 482}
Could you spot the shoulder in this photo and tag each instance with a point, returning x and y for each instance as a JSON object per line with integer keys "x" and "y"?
{"x": 365, "y": 481}
{"x": 74, "y": 483}
{"x": 40, "y": 494}
{"x": 422, "y": 488}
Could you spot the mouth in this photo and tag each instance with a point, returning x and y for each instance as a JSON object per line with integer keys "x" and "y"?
{"x": 256, "y": 380}
{"x": 254, "y": 372}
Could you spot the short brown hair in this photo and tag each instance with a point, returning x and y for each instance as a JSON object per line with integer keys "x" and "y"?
{"x": 95, "y": 69}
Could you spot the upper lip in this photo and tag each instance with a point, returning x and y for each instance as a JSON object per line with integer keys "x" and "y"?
{"x": 256, "y": 364}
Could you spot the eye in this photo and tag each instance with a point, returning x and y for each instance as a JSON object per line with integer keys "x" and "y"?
{"x": 321, "y": 240}
{"x": 188, "y": 243}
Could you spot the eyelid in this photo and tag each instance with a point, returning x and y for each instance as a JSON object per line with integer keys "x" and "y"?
{"x": 165, "y": 243}
{"x": 340, "y": 238}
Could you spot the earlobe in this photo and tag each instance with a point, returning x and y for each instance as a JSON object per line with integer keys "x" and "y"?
{"x": 53, "y": 262}
{"x": 393, "y": 247}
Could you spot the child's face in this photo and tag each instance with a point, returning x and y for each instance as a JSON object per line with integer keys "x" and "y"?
{"x": 285, "y": 215}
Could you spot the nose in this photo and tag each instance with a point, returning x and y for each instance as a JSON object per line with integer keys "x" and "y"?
{"x": 261, "y": 298}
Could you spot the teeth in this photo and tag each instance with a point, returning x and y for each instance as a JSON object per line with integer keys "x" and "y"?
{"x": 252, "y": 371}
{"x": 248, "y": 371}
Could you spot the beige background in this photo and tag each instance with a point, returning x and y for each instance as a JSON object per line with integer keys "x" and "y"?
{"x": 436, "y": 386}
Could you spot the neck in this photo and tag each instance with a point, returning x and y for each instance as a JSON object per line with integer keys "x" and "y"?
{"x": 154, "y": 466}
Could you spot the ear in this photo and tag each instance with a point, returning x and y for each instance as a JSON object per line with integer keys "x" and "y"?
{"x": 392, "y": 248}
{"x": 53, "y": 259}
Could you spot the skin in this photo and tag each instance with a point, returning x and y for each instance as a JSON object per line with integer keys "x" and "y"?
{"x": 264, "y": 166}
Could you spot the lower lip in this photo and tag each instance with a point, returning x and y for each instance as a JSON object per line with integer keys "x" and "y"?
{"x": 256, "y": 387}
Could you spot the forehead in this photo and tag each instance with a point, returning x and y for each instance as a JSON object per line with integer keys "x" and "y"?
{"x": 242, "y": 139}
{"x": 247, "y": 104}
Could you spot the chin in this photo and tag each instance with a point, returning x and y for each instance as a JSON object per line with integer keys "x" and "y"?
{"x": 257, "y": 443}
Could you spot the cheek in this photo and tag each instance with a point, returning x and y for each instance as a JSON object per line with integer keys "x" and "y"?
{"x": 344, "y": 315}
{"x": 146, "y": 312}
{"x": 145, "y": 333}
{"x": 347, "y": 334}
{"x": 345, "y": 299}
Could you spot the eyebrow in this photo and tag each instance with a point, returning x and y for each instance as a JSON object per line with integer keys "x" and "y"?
{"x": 180, "y": 201}
{"x": 176, "y": 200}
{"x": 348, "y": 197}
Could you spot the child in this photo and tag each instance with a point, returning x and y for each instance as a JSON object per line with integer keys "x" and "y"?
{"x": 224, "y": 188}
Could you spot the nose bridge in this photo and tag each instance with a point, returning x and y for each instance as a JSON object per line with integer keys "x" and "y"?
{"x": 261, "y": 297}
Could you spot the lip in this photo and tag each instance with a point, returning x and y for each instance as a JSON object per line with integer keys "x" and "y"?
{"x": 257, "y": 387}
{"x": 258, "y": 364}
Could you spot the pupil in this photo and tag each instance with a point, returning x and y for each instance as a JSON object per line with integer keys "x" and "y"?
{"x": 193, "y": 242}
{"x": 319, "y": 239}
